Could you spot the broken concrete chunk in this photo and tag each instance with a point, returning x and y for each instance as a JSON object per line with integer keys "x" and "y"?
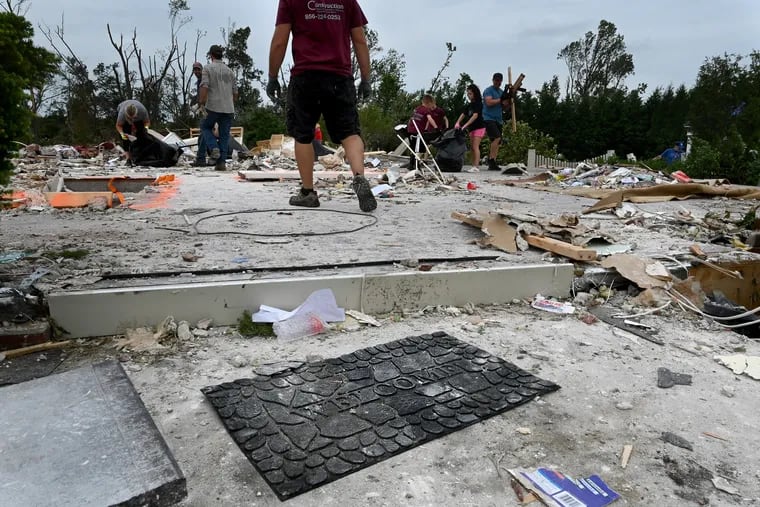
{"x": 239, "y": 361}
{"x": 183, "y": 331}
{"x": 723, "y": 485}
{"x": 741, "y": 363}
{"x": 666, "y": 378}
{"x": 141, "y": 339}
{"x": 167, "y": 330}
{"x": 363, "y": 318}
{"x": 204, "y": 324}
{"x": 189, "y": 257}
{"x": 673, "y": 439}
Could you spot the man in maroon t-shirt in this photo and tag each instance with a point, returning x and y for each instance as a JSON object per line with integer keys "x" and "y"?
{"x": 321, "y": 84}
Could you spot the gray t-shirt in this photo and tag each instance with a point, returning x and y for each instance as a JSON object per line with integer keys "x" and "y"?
{"x": 220, "y": 81}
{"x": 142, "y": 113}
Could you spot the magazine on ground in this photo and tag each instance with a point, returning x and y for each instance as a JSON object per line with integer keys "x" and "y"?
{"x": 556, "y": 489}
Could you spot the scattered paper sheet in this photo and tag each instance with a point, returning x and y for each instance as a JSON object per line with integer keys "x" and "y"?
{"x": 321, "y": 302}
{"x": 363, "y": 318}
{"x": 549, "y": 305}
{"x": 379, "y": 189}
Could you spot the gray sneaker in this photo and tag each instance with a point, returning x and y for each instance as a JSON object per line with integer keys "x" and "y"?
{"x": 215, "y": 153}
{"x": 361, "y": 187}
{"x": 220, "y": 166}
{"x": 310, "y": 200}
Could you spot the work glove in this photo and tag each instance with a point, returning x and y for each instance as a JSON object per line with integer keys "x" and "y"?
{"x": 365, "y": 90}
{"x": 273, "y": 89}
{"x": 124, "y": 136}
{"x": 202, "y": 111}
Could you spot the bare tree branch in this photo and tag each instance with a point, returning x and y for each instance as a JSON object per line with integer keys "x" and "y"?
{"x": 450, "y": 48}
{"x": 19, "y": 7}
{"x": 125, "y": 56}
{"x": 71, "y": 60}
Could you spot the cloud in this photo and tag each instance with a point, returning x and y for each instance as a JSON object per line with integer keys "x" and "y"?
{"x": 669, "y": 40}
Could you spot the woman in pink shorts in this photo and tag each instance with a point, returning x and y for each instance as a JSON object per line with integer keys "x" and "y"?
{"x": 472, "y": 115}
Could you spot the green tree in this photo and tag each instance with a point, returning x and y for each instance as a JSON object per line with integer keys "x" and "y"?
{"x": 261, "y": 122}
{"x": 667, "y": 111}
{"x": 246, "y": 74}
{"x": 597, "y": 62}
{"x": 726, "y": 94}
{"x": 542, "y": 109}
{"x": 388, "y": 74}
{"x": 725, "y": 113}
{"x": 24, "y": 66}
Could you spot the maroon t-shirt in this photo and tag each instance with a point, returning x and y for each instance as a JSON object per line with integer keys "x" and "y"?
{"x": 439, "y": 117}
{"x": 321, "y": 33}
{"x": 418, "y": 121}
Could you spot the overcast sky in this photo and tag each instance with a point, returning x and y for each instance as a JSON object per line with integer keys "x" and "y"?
{"x": 669, "y": 39}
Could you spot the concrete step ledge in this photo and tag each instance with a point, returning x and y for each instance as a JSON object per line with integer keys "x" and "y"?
{"x": 106, "y": 312}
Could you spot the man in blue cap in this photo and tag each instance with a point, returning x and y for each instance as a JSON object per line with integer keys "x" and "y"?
{"x": 672, "y": 154}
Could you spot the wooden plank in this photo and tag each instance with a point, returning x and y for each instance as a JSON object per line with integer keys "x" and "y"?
{"x": 10, "y": 354}
{"x": 552, "y": 245}
{"x": 560, "y": 247}
{"x": 627, "y": 450}
{"x": 512, "y": 92}
{"x": 467, "y": 219}
{"x": 275, "y": 142}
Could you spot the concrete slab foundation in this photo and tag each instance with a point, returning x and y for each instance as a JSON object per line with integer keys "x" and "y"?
{"x": 112, "y": 311}
{"x": 83, "y": 437}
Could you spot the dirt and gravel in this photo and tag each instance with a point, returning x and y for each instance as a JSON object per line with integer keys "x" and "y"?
{"x": 609, "y": 396}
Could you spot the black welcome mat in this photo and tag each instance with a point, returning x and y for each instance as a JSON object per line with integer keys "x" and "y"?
{"x": 308, "y": 426}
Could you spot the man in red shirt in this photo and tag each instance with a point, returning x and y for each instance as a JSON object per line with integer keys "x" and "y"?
{"x": 321, "y": 84}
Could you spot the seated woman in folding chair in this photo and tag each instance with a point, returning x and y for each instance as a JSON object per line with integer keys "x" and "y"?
{"x": 423, "y": 127}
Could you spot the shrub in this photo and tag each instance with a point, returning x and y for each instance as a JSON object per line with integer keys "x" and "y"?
{"x": 703, "y": 161}
{"x": 260, "y": 123}
{"x": 377, "y": 129}
{"x": 515, "y": 145}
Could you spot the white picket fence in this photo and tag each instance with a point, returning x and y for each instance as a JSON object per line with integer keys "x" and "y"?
{"x": 540, "y": 162}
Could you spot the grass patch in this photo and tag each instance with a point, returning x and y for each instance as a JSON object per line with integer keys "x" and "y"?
{"x": 67, "y": 254}
{"x": 247, "y": 327}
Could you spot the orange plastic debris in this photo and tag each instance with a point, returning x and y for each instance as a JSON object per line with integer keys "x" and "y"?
{"x": 76, "y": 199}
{"x": 681, "y": 177}
{"x": 164, "y": 179}
{"x": 13, "y": 199}
{"x": 112, "y": 188}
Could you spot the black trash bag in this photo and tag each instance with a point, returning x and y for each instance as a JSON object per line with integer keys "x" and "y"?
{"x": 718, "y": 305}
{"x": 148, "y": 151}
{"x": 451, "y": 147}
